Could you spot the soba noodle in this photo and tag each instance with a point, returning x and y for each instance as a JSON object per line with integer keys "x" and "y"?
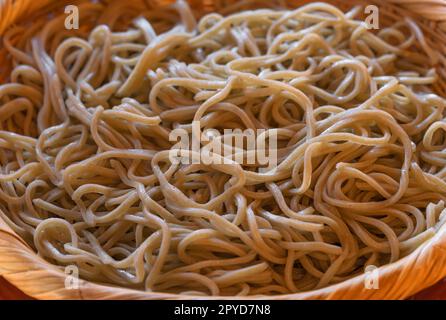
{"x": 86, "y": 177}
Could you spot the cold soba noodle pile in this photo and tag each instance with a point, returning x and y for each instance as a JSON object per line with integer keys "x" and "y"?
{"x": 86, "y": 177}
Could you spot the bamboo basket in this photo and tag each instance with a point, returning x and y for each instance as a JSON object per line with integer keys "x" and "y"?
{"x": 22, "y": 267}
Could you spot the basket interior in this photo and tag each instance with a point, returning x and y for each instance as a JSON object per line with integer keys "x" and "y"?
{"x": 42, "y": 11}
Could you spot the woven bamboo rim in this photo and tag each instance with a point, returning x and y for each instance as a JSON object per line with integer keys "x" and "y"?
{"x": 422, "y": 268}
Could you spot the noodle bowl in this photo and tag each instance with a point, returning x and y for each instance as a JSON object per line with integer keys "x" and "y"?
{"x": 86, "y": 177}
